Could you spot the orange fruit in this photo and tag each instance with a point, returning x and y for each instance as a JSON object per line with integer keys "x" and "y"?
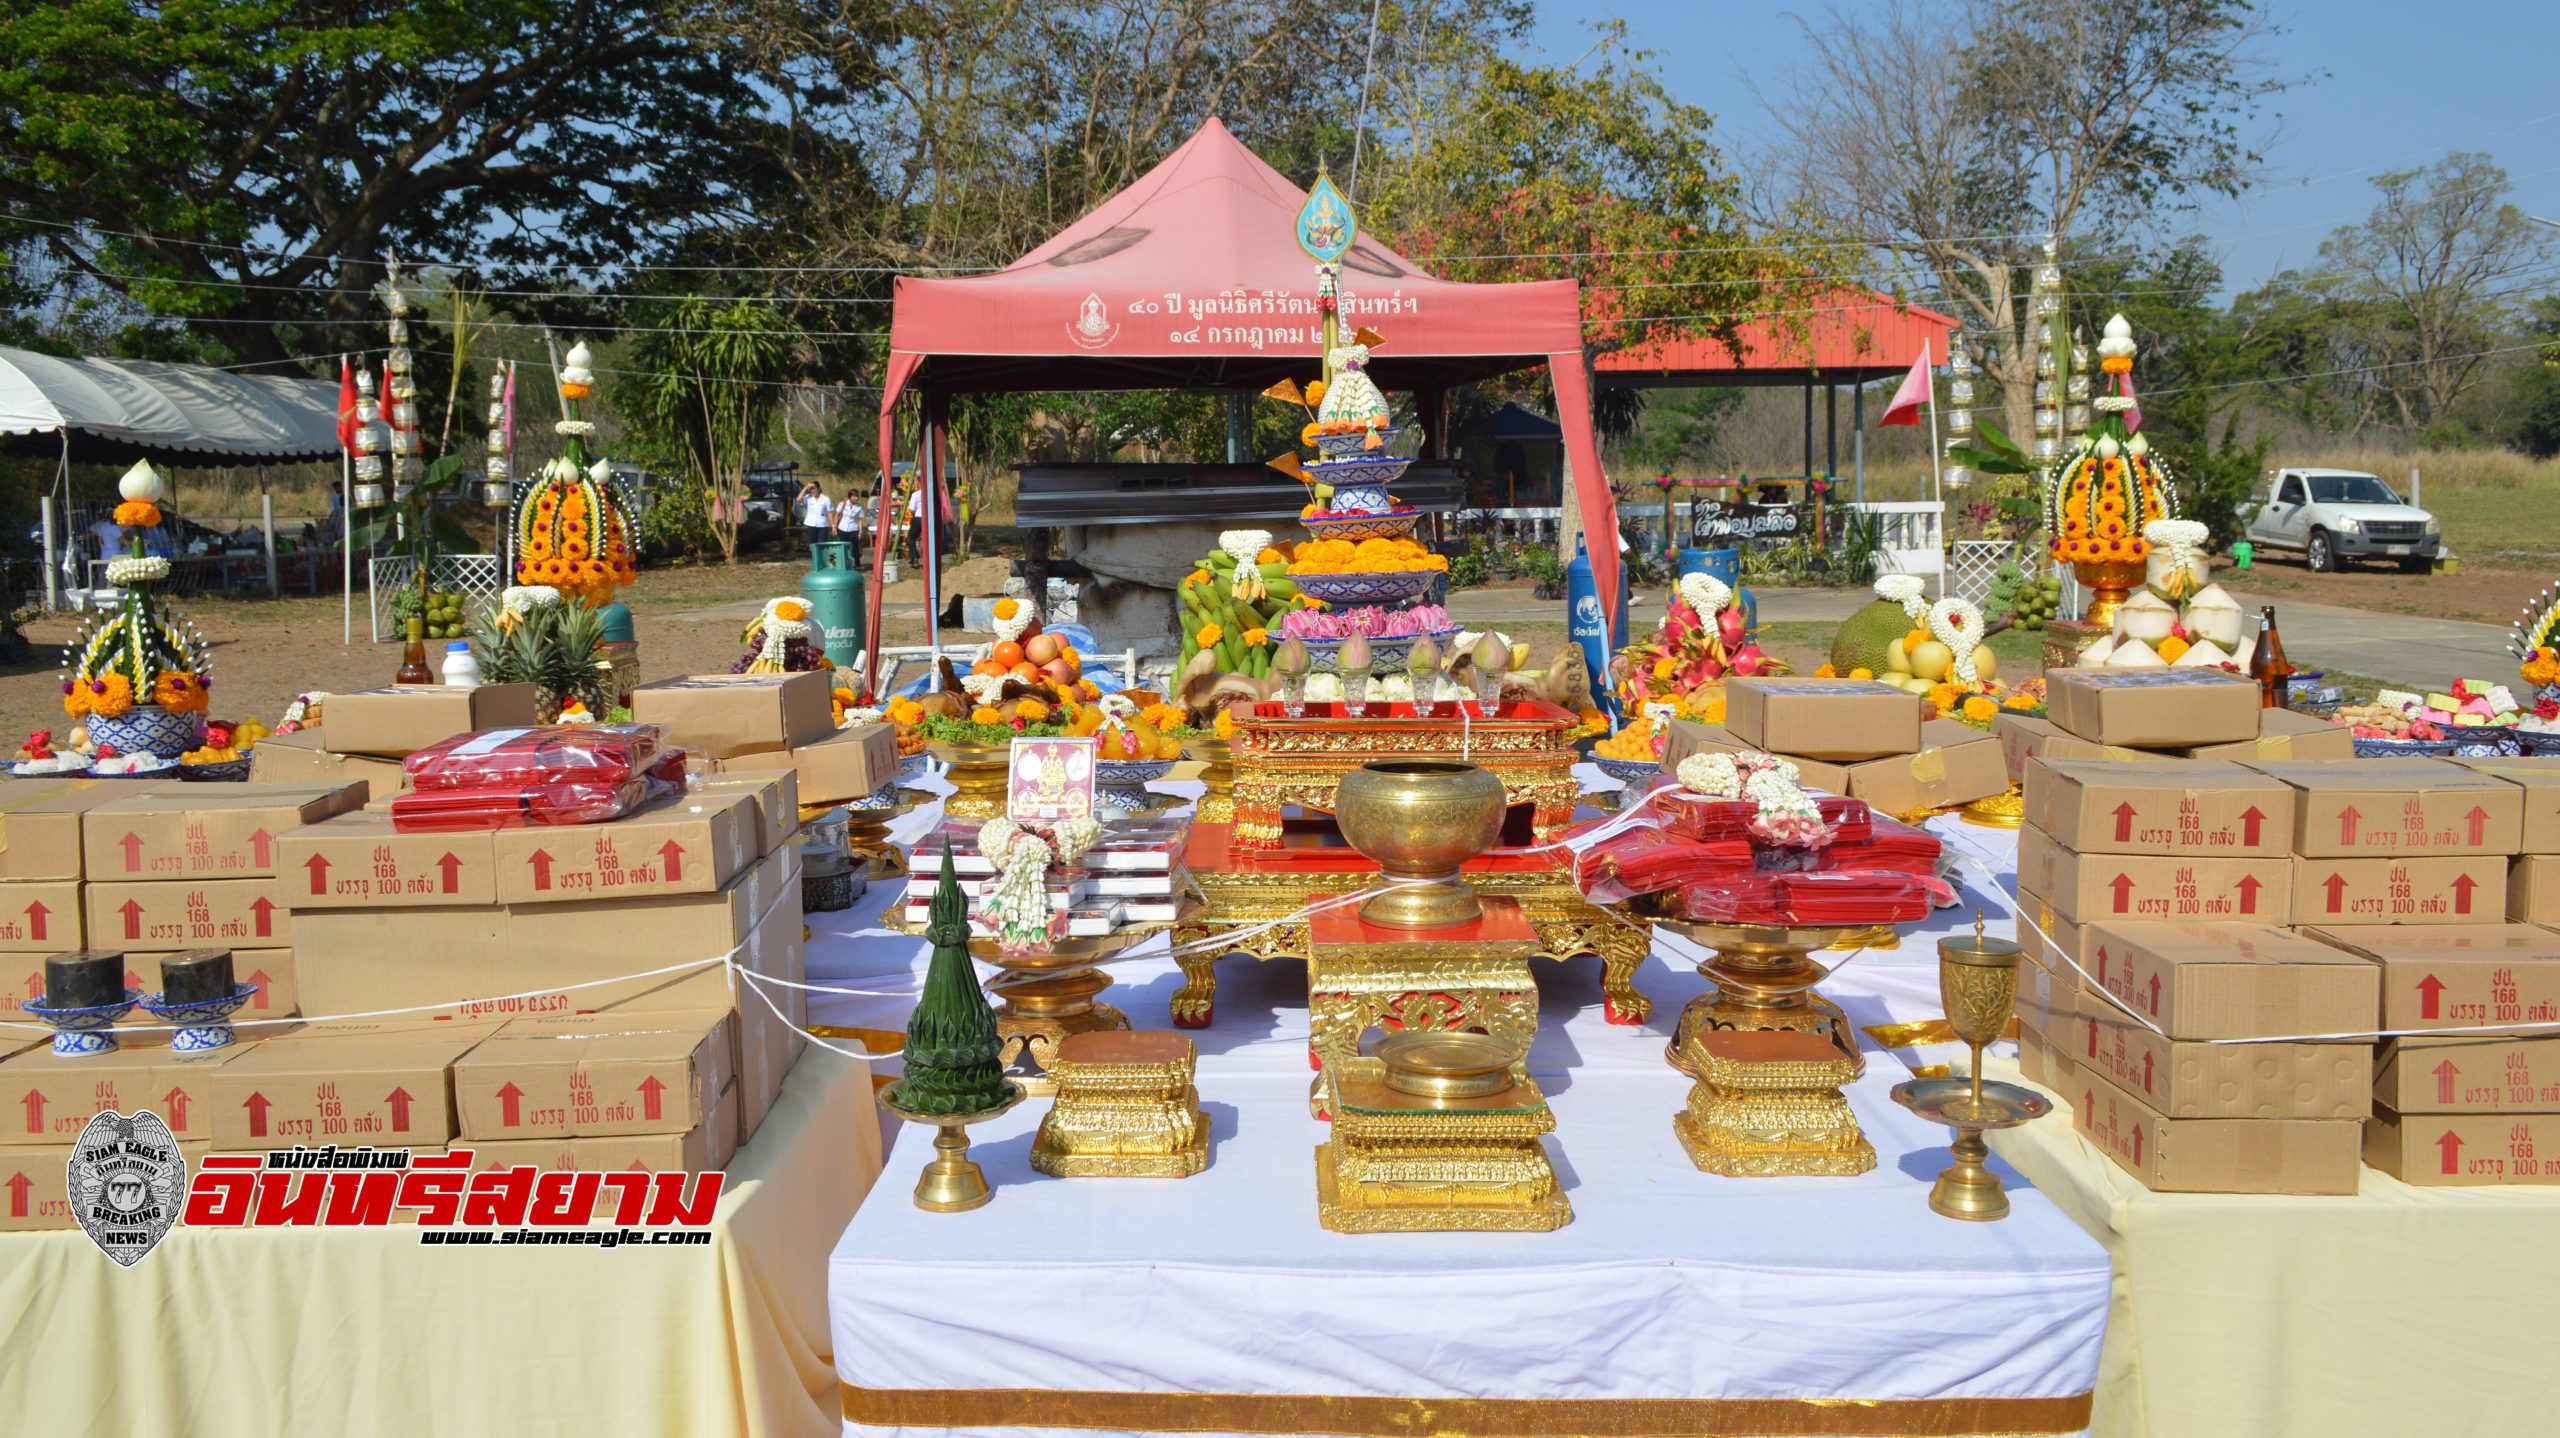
{"x": 1025, "y": 672}
{"x": 987, "y": 668}
{"x": 1007, "y": 654}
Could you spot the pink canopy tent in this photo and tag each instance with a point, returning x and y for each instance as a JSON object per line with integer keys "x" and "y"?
{"x": 1191, "y": 278}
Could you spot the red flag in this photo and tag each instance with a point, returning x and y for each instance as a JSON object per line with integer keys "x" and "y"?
{"x": 1905, "y": 408}
{"x": 2133, "y": 407}
{"x": 346, "y": 405}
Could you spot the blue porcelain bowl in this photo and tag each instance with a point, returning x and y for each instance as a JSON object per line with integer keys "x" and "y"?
{"x": 147, "y": 729}
{"x": 1366, "y": 588}
{"x": 1375, "y": 471}
{"x": 1627, "y": 771}
{"x": 2486, "y": 741}
{"x": 1394, "y": 524}
{"x": 1352, "y": 445}
{"x": 2538, "y": 741}
{"x": 1129, "y": 773}
{"x": 2403, "y": 748}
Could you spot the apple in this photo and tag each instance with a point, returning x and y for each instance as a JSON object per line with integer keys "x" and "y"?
{"x": 1931, "y": 660}
{"x": 1059, "y": 671}
{"x": 1041, "y": 649}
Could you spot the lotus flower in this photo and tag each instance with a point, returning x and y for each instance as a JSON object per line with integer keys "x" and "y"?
{"x": 1354, "y": 657}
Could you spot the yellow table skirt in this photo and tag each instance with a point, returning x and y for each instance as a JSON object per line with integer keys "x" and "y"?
{"x": 2397, "y": 1311}
{"x": 348, "y": 1331}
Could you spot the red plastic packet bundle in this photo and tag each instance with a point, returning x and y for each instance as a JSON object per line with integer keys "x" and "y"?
{"x": 1646, "y": 860}
{"x": 511, "y": 778}
{"x": 1832, "y": 897}
{"x": 1696, "y": 816}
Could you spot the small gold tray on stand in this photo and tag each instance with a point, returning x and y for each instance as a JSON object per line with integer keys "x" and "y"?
{"x": 952, "y": 1182}
{"x": 1767, "y": 1105}
{"x": 1764, "y": 976}
{"x": 1431, "y": 1134}
{"x": 1126, "y": 1109}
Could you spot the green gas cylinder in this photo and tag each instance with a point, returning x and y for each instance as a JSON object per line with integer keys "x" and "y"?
{"x": 833, "y": 588}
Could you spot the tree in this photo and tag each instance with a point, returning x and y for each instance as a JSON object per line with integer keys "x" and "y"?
{"x": 710, "y": 387}
{"x": 2431, "y": 277}
{"x": 2038, "y": 117}
{"x": 242, "y": 165}
{"x": 1679, "y": 428}
{"x": 2537, "y": 401}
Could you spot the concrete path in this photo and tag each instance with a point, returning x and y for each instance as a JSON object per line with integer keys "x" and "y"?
{"x": 2407, "y": 649}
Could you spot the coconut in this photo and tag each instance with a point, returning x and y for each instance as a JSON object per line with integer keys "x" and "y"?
{"x": 2095, "y": 656}
{"x": 2203, "y": 654}
{"x": 2213, "y": 614}
{"x": 2146, "y": 617}
{"x": 2134, "y": 654}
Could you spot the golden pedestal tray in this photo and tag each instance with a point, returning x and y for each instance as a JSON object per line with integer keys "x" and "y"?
{"x": 1768, "y": 1105}
{"x": 866, "y": 831}
{"x": 978, "y": 775}
{"x": 1043, "y": 998}
{"x": 1764, "y": 976}
{"x": 1363, "y": 976}
{"x": 1998, "y": 811}
{"x": 1217, "y": 802}
{"x": 1281, "y": 761}
{"x": 1434, "y": 1133}
{"x": 1251, "y": 892}
{"x": 952, "y": 1182}
{"x": 1126, "y": 1109}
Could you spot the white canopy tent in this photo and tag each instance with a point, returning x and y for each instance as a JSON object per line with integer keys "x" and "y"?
{"x": 119, "y": 410}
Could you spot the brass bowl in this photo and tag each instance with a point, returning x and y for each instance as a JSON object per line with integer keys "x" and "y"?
{"x": 1420, "y": 821}
{"x": 2110, "y": 583}
{"x": 979, "y": 774}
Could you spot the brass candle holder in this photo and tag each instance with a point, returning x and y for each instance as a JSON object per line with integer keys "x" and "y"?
{"x": 1978, "y": 983}
{"x": 1768, "y": 1105}
{"x": 952, "y": 1182}
{"x": 1126, "y": 1109}
{"x": 1764, "y": 976}
{"x": 1433, "y": 1133}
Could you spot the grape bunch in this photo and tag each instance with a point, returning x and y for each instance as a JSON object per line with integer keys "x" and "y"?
{"x": 2029, "y": 599}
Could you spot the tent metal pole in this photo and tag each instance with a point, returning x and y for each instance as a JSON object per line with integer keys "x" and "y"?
{"x": 267, "y": 530}
{"x": 52, "y": 557}
{"x": 1858, "y": 436}
{"x": 347, "y": 545}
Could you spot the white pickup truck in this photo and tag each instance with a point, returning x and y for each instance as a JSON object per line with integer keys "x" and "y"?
{"x": 2334, "y": 515}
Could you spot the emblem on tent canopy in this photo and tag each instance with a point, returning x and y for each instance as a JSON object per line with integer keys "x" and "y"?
{"x": 1092, "y": 328}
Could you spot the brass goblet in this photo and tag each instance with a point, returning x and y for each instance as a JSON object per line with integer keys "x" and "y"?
{"x": 1978, "y": 983}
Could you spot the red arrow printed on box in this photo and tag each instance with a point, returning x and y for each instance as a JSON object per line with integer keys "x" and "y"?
{"x": 2124, "y": 822}
{"x": 132, "y": 918}
{"x": 541, "y": 863}
{"x": 176, "y": 1099}
{"x": 2249, "y": 887}
{"x": 132, "y": 846}
{"x": 2463, "y": 884}
{"x": 509, "y": 1115}
{"x": 2250, "y": 820}
{"x": 673, "y": 853}
{"x": 2445, "y": 1074}
{"x": 34, "y": 1102}
{"x": 2336, "y": 884}
{"x": 19, "y": 1183}
{"x": 35, "y": 921}
{"x": 650, "y": 1089}
{"x": 262, "y": 847}
{"x": 2347, "y": 818}
{"x": 2450, "y": 1146}
{"x": 2123, "y": 886}
{"x": 319, "y": 869}
{"x": 399, "y": 1099}
{"x": 257, "y": 1104}
{"x": 2430, "y": 996}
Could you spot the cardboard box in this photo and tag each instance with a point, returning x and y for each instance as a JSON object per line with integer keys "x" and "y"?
{"x": 2539, "y": 777}
{"x": 845, "y": 765}
{"x": 705, "y": 1148}
{"x": 2283, "y": 734}
{"x": 771, "y": 1035}
{"x": 2232, "y": 980}
{"x": 2047, "y": 938}
{"x": 43, "y": 917}
{"x": 2533, "y": 889}
{"x": 40, "y": 825}
{"x": 35, "y": 1186}
{"x": 2215, "y": 1155}
{"x": 494, "y": 962}
{"x": 204, "y": 831}
{"x": 2031, "y": 1058}
{"x": 594, "y": 1075}
{"x": 2182, "y": 1079}
{"x": 775, "y": 793}
{"x": 2444, "y": 890}
{"x": 1955, "y": 764}
{"x": 2151, "y": 708}
{"x": 2196, "y": 807}
{"x": 686, "y": 844}
{"x": 2465, "y": 1150}
{"x": 299, "y": 758}
{"x": 2031, "y": 736}
{"x": 720, "y": 716}
{"x": 1688, "y": 737}
{"x": 2460, "y": 1073}
{"x": 2400, "y": 806}
{"x": 2086, "y": 888}
{"x": 2049, "y": 1000}
{"x": 360, "y": 861}
{"x": 2459, "y": 976}
{"x": 48, "y": 1099}
{"x": 170, "y": 914}
{"x": 1845, "y": 719}
{"x": 401, "y": 719}
{"x": 361, "y": 1081}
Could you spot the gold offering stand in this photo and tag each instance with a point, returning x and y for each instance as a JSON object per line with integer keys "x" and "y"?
{"x": 1764, "y": 976}
{"x": 1216, "y": 757}
{"x": 952, "y": 1182}
{"x": 1281, "y": 761}
{"x": 1473, "y": 975}
{"x": 1436, "y": 1132}
{"x": 866, "y": 831}
{"x": 1126, "y": 1109}
{"x": 1978, "y": 982}
{"x": 1044, "y": 998}
{"x": 1768, "y": 1105}
{"x": 978, "y": 775}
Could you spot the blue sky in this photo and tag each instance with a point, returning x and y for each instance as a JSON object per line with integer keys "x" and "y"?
{"x": 2400, "y": 85}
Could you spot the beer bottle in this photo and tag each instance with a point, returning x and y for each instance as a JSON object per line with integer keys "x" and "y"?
{"x": 2268, "y": 665}
{"x": 413, "y": 657}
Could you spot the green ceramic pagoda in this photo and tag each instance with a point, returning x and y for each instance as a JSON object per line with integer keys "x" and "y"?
{"x": 952, "y": 1052}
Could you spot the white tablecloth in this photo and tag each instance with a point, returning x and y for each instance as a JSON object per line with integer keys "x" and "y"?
{"x": 1669, "y": 1283}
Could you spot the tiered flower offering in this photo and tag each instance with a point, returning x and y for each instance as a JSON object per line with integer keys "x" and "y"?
{"x": 574, "y": 528}
{"x": 2098, "y": 502}
{"x": 138, "y": 678}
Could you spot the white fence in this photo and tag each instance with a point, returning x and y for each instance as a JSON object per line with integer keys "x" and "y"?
{"x": 478, "y": 578}
{"x": 1913, "y": 534}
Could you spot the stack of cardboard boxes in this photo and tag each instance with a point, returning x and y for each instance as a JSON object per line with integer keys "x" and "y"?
{"x": 770, "y": 723}
{"x": 365, "y": 734}
{"x": 41, "y": 907}
{"x": 2275, "y": 734}
{"x": 1856, "y": 737}
{"x": 666, "y": 910}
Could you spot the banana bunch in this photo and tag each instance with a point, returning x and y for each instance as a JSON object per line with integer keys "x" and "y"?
{"x": 1212, "y": 608}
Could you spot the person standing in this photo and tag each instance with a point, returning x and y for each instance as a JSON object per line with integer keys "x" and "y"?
{"x": 849, "y": 522}
{"x": 915, "y": 524}
{"x": 816, "y": 515}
